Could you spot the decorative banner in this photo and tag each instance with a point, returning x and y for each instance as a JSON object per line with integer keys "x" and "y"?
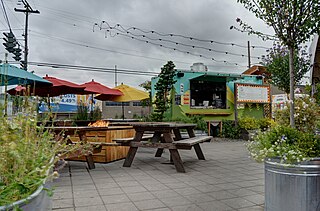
{"x": 69, "y": 102}
{"x": 186, "y": 98}
{"x": 252, "y": 93}
{"x": 181, "y": 88}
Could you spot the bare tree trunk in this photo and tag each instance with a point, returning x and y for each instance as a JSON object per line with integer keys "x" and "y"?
{"x": 291, "y": 69}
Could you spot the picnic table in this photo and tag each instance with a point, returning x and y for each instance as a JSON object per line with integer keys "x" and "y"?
{"x": 163, "y": 136}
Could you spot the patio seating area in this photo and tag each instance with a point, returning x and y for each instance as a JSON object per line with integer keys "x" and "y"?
{"x": 226, "y": 180}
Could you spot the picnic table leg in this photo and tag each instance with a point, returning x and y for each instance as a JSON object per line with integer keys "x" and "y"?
{"x": 156, "y": 138}
{"x": 130, "y": 156}
{"x": 133, "y": 150}
{"x": 174, "y": 154}
{"x": 159, "y": 152}
{"x": 191, "y": 132}
{"x": 177, "y": 134}
{"x": 90, "y": 162}
{"x": 199, "y": 152}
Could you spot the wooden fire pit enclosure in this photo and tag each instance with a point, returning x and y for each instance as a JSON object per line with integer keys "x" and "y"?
{"x": 115, "y": 130}
{"x": 108, "y": 153}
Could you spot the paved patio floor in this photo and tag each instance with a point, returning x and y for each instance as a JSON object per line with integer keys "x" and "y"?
{"x": 226, "y": 180}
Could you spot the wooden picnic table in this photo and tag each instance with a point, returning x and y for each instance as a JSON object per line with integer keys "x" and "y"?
{"x": 164, "y": 136}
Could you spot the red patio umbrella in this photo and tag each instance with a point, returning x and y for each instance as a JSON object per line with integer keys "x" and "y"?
{"x": 58, "y": 87}
{"x": 94, "y": 87}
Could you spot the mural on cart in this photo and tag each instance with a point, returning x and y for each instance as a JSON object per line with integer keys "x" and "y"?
{"x": 210, "y": 94}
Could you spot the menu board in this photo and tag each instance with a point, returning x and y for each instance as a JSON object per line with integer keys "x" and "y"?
{"x": 252, "y": 93}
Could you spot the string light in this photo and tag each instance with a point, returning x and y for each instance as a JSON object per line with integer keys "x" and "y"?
{"x": 120, "y": 27}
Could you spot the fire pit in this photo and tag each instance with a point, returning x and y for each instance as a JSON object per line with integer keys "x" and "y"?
{"x": 99, "y": 123}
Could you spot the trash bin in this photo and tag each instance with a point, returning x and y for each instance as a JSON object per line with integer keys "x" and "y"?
{"x": 214, "y": 129}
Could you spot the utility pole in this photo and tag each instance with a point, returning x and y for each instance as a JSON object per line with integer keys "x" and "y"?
{"x": 27, "y": 9}
{"x": 115, "y": 76}
{"x": 249, "y": 60}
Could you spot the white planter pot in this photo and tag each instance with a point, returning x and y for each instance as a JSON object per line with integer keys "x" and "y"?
{"x": 37, "y": 201}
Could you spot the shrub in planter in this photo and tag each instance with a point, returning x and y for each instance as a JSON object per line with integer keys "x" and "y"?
{"x": 27, "y": 153}
{"x": 291, "y": 156}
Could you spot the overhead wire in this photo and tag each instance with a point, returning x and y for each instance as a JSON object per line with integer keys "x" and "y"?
{"x": 179, "y": 50}
{"x": 14, "y": 15}
{"x": 179, "y": 43}
{"x": 5, "y": 15}
{"x": 95, "y": 47}
{"x": 93, "y": 69}
{"x": 173, "y": 35}
{"x": 75, "y": 17}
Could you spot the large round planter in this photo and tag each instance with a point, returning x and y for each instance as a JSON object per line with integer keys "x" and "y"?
{"x": 292, "y": 188}
{"x": 37, "y": 201}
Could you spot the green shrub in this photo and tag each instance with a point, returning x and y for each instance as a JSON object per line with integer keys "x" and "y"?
{"x": 82, "y": 112}
{"x": 248, "y": 123}
{"x": 265, "y": 123}
{"x": 230, "y": 130}
{"x": 290, "y": 144}
{"x": 96, "y": 114}
{"x": 195, "y": 119}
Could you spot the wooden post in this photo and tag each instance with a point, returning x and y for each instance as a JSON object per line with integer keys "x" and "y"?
{"x": 235, "y": 104}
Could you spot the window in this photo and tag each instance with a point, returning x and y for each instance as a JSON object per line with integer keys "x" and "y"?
{"x": 208, "y": 94}
{"x": 111, "y": 103}
{"x": 177, "y": 99}
{"x": 137, "y": 103}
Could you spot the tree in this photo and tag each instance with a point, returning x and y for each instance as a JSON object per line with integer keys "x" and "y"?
{"x": 147, "y": 87}
{"x": 293, "y": 21}
{"x": 163, "y": 88}
{"x": 277, "y": 65}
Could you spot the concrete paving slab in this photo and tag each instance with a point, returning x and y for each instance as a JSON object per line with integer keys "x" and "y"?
{"x": 226, "y": 180}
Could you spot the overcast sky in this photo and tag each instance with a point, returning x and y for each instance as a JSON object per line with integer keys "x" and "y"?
{"x": 71, "y": 32}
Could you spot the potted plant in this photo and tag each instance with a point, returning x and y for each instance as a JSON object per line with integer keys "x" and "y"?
{"x": 292, "y": 159}
{"x": 27, "y": 154}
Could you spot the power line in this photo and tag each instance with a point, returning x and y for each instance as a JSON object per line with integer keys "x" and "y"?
{"x": 125, "y": 33}
{"x": 93, "y": 69}
{"x": 179, "y": 50}
{"x": 19, "y": 22}
{"x": 120, "y": 27}
{"x": 71, "y": 16}
{"x": 177, "y": 43}
{"x": 5, "y": 15}
{"x": 97, "y": 48}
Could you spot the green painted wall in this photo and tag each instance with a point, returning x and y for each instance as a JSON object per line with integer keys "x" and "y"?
{"x": 182, "y": 88}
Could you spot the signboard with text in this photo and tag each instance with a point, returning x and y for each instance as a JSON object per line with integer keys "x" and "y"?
{"x": 68, "y": 103}
{"x": 252, "y": 93}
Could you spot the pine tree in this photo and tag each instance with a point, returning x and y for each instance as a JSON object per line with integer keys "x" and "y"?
{"x": 163, "y": 87}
